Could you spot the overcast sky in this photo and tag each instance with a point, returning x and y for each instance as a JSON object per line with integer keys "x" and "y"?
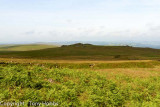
{"x": 79, "y": 20}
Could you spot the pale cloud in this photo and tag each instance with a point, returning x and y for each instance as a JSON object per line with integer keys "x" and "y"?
{"x": 30, "y": 32}
{"x": 73, "y": 20}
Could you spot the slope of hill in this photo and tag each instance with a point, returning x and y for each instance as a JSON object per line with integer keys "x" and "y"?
{"x": 26, "y": 47}
{"x": 87, "y": 52}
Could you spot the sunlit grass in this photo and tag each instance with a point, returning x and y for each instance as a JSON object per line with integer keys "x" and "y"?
{"x": 127, "y": 86}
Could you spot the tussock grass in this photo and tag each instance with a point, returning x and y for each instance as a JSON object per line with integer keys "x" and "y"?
{"x": 86, "y": 65}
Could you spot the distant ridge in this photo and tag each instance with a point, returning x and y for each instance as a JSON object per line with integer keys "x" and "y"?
{"x": 81, "y": 51}
{"x": 150, "y": 44}
{"x": 25, "y": 47}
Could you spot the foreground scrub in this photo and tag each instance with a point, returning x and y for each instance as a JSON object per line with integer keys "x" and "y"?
{"x": 35, "y": 85}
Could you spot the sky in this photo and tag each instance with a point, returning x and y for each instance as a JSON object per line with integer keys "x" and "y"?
{"x": 79, "y": 20}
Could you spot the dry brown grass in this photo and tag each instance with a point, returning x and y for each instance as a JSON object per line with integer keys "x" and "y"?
{"x": 125, "y": 77}
{"x": 65, "y": 61}
{"x": 132, "y": 72}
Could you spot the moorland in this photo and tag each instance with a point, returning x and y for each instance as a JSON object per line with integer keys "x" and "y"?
{"x": 81, "y": 75}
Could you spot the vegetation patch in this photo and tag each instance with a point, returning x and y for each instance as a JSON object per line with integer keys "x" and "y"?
{"x": 72, "y": 87}
{"x": 80, "y": 52}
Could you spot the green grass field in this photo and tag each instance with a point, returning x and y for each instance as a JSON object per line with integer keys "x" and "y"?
{"x": 87, "y": 52}
{"x": 82, "y": 76}
{"x": 26, "y": 47}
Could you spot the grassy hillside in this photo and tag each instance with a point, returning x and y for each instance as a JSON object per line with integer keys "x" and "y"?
{"x": 87, "y": 52}
{"x": 26, "y": 47}
{"x": 69, "y": 78}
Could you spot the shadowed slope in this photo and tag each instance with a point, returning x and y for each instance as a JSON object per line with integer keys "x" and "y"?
{"x": 88, "y": 52}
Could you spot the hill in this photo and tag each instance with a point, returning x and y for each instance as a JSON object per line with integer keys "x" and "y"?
{"x": 26, "y": 47}
{"x": 87, "y": 52}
